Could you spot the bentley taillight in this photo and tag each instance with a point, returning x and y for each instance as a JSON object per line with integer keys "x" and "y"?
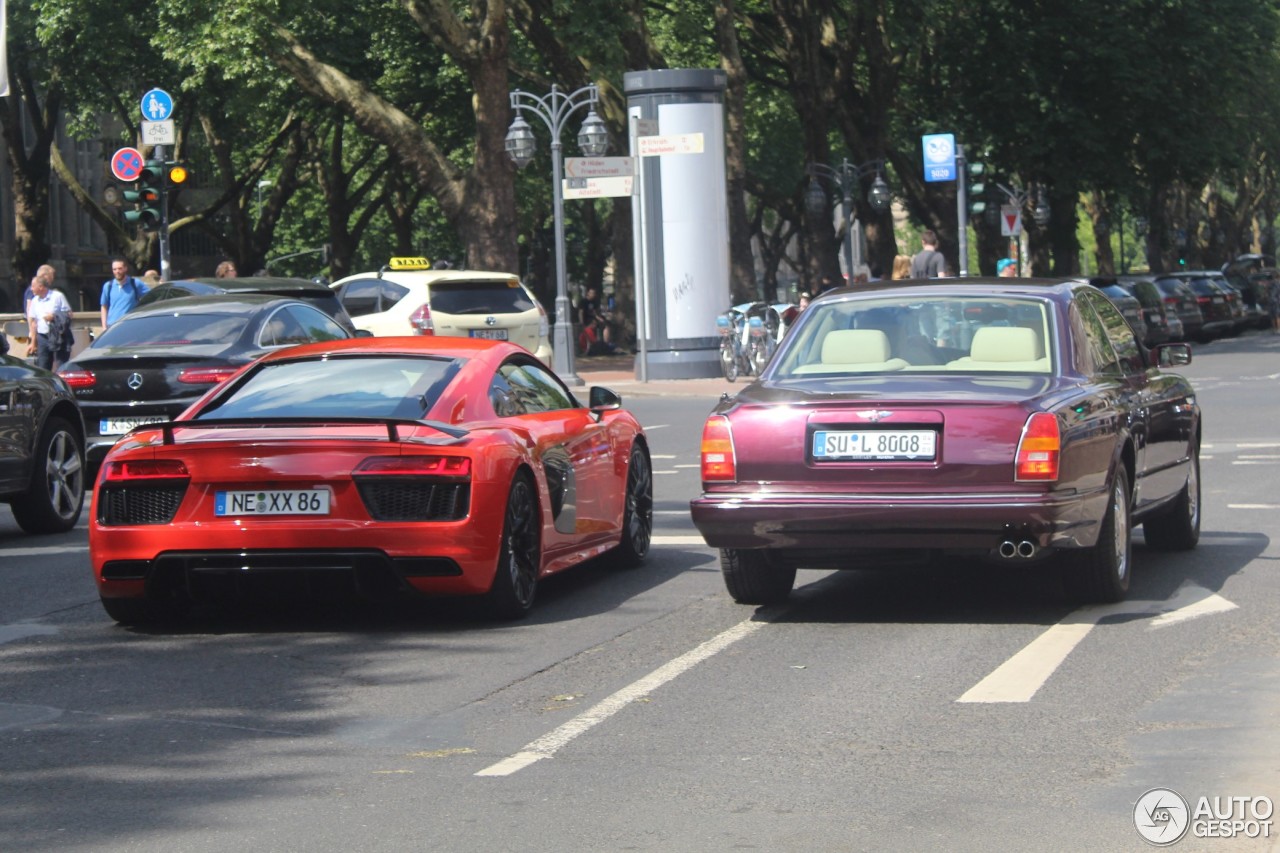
{"x": 421, "y": 322}
{"x": 718, "y": 461}
{"x": 1039, "y": 449}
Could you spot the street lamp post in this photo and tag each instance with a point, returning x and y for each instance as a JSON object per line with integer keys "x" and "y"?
{"x": 262, "y": 183}
{"x": 554, "y": 109}
{"x": 846, "y": 176}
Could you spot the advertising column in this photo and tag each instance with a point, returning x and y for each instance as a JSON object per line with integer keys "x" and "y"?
{"x": 681, "y": 219}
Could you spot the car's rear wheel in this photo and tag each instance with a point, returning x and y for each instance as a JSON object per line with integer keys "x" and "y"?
{"x": 515, "y": 583}
{"x": 1101, "y": 573}
{"x": 55, "y": 495}
{"x": 637, "y": 516}
{"x": 1179, "y": 528}
{"x": 754, "y": 577}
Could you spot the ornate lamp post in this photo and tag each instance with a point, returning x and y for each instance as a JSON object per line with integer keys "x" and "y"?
{"x": 554, "y": 109}
{"x": 846, "y": 176}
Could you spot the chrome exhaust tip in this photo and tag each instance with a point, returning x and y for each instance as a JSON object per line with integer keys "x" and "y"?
{"x": 1027, "y": 549}
{"x": 1008, "y": 550}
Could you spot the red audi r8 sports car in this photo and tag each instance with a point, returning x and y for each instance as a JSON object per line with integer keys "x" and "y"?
{"x": 1014, "y": 420}
{"x": 445, "y": 466}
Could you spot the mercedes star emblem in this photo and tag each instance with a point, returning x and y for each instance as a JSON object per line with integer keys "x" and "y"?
{"x": 491, "y": 321}
{"x": 134, "y": 381}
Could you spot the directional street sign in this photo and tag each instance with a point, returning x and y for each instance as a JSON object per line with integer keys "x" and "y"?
{"x": 679, "y": 143}
{"x": 1010, "y": 220}
{"x": 599, "y": 167}
{"x": 609, "y": 187}
{"x": 159, "y": 132}
{"x": 157, "y": 105}
{"x": 126, "y": 164}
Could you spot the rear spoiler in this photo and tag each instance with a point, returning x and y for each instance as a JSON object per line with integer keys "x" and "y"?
{"x": 393, "y": 425}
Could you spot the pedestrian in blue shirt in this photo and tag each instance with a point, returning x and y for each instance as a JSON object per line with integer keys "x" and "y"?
{"x": 120, "y": 293}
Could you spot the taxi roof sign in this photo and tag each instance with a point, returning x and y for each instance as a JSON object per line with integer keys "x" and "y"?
{"x": 409, "y": 264}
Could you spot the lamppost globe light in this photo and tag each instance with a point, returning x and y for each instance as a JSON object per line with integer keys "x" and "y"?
{"x": 879, "y": 197}
{"x": 553, "y": 110}
{"x": 520, "y": 143}
{"x": 593, "y": 138}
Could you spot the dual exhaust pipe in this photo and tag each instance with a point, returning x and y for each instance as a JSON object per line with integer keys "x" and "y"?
{"x": 1024, "y": 549}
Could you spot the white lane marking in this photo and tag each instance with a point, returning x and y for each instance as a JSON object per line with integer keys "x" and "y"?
{"x": 656, "y": 426}
{"x": 40, "y": 552}
{"x": 19, "y": 630}
{"x": 683, "y": 512}
{"x": 665, "y": 471}
{"x": 690, "y": 465}
{"x": 1021, "y": 676}
{"x": 678, "y": 540}
{"x": 547, "y": 745}
{"x": 1018, "y": 678}
{"x": 1191, "y": 601}
{"x": 1253, "y": 506}
{"x": 1256, "y": 445}
{"x": 1237, "y": 462}
{"x": 662, "y": 456}
{"x": 1242, "y": 456}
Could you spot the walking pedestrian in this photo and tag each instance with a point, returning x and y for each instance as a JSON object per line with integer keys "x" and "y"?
{"x": 226, "y": 269}
{"x": 120, "y": 293}
{"x": 901, "y": 267}
{"x": 1007, "y": 268}
{"x": 49, "y": 324}
{"x": 928, "y": 262}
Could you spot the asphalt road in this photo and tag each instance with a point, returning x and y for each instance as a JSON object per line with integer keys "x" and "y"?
{"x": 956, "y": 709}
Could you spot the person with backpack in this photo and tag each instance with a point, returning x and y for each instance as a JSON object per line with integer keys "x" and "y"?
{"x": 120, "y": 293}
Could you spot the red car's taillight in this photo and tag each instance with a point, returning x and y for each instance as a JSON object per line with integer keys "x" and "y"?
{"x": 1038, "y": 449}
{"x": 145, "y": 469}
{"x": 421, "y": 322}
{"x": 79, "y": 378}
{"x": 205, "y": 375}
{"x": 718, "y": 461}
{"x": 451, "y": 467}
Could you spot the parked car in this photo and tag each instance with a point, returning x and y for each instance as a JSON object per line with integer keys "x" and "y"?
{"x": 1181, "y": 300}
{"x": 159, "y": 358}
{"x": 429, "y": 465}
{"x": 1214, "y": 302}
{"x": 1009, "y": 420}
{"x": 408, "y": 297}
{"x": 1256, "y": 297}
{"x": 42, "y": 467}
{"x": 302, "y": 289}
{"x": 1162, "y": 321}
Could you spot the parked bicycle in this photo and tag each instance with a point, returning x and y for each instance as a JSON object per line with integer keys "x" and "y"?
{"x": 749, "y": 334}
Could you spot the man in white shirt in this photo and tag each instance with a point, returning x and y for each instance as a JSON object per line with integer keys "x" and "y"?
{"x": 49, "y": 321}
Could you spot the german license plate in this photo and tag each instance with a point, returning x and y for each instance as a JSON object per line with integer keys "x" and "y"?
{"x": 490, "y": 334}
{"x": 119, "y": 426}
{"x": 890, "y": 445}
{"x": 272, "y": 502}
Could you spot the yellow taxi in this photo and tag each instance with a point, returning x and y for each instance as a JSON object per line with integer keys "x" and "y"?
{"x": 409, "y": 296}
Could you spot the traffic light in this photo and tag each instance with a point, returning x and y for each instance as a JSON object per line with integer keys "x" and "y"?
{"x": 176, "y": 174}
{"x": 975, "y": 188}
{"x": 148, "y": 195}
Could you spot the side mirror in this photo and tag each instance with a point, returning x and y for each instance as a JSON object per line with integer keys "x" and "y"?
{"x": 602, "y": 399}
{"x": 1173, "y": 355}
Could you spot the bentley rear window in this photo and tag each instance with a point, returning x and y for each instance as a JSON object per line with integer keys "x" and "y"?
{"x": 963, "y": 333}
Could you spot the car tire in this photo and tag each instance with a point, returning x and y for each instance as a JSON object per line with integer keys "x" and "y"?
{"x": 515, "y": 583}
{"x": 139, "y": 611}
{"x": 637, "y": 516}
{"x": 1178, "y": 529}
{"x": 1101, "y": 574}
{"x": 54, "y": 498}
{"x": 753, "y": 577}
